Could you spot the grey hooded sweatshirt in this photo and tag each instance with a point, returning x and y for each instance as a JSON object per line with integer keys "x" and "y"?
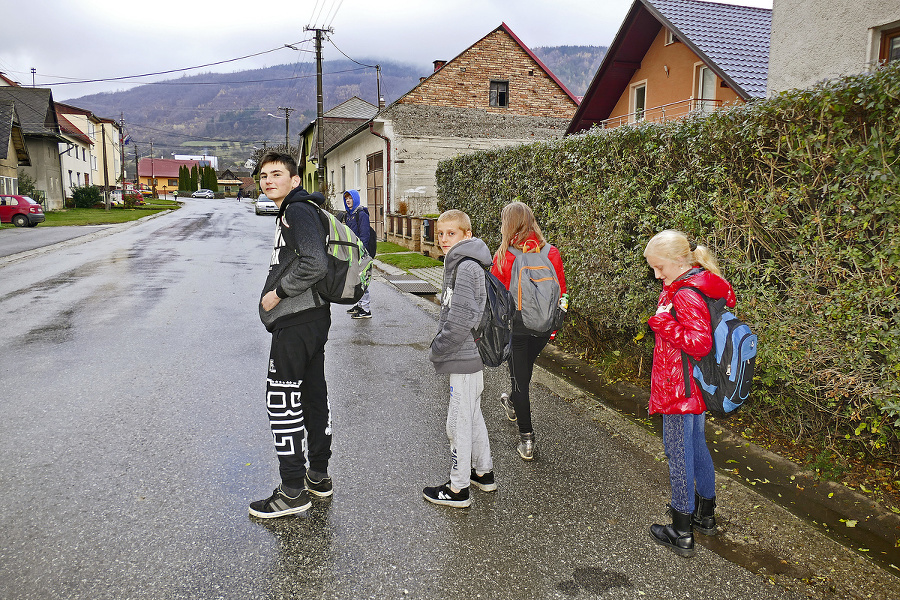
{"x": 298, "y": 262}
{"x": 453, "y": 349}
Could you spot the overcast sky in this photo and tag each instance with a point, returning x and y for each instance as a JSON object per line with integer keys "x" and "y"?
{"x": 66, "y": 41}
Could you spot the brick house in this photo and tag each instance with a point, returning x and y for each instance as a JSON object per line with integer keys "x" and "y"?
{"x": 673, "y": 57}
{"x": 495, "y": 93}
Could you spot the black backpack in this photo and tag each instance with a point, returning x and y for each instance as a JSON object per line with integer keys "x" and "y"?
{"x": 725, "y": 375}
{"x": 493, "y": 335}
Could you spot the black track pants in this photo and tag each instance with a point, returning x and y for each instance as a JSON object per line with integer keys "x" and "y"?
{"x": 297, "y": 400}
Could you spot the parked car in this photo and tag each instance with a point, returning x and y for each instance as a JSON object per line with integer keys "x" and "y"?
{"x": 21, "y": 211}
{"x": 264, "y": 206}
{"x": 203, "y": 194}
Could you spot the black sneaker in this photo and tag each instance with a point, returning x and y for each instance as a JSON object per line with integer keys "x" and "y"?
{"x": 353, "y": 309}
{"x": 485, "y": 483}
{"x": 442, "y": 494}
{"x": 362, "y": 314}
{"x": 322, "y": 488}
{"x": 280, "y": 504}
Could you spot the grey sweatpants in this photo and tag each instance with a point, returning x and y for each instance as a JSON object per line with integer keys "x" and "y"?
{"x": 469, "y": 444}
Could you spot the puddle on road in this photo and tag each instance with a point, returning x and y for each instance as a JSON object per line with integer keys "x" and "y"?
{"x": 830, "y": 508}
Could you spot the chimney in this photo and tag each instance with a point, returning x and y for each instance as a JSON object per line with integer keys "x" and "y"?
{"x": 381, "y": 103}
{"x": 439, "y": 63}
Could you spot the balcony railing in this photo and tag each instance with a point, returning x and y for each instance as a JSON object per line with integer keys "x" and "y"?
{"x": 664, "y": 112}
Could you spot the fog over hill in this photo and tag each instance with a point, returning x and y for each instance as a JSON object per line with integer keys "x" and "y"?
{"x": 228, "y": 113}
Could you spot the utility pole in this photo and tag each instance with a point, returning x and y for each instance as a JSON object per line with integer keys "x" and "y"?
{"x": 122, "y": 150}
{"x": 320, "y": 111}
{"x": 152, "y": 175}
{"x": 105, "y": 165}
{"x": 378, "y": 86}
{"x": 287, "y": 128}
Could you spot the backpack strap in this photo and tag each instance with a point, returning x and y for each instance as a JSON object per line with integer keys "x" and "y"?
{"x": 475, "y": 334}
{"x": 687, "y": 364}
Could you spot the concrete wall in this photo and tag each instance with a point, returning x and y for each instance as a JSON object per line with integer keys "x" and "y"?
{"x": 815, "y": 41}
{"x": 45, "y": 170}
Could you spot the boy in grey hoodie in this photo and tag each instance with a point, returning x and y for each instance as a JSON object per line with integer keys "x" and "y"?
{"x": 453, "y": 351}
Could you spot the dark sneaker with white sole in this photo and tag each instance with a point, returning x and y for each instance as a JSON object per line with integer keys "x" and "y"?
{"x": 362, "y": 314}
{"x": 508, "y": 406}
{"x": 353, "y": 309}
{"x": 280, "y": 504}
{"x": 445, "y": 496}
{"x": 485, "y": 482}
{"x": 322, "y": 488}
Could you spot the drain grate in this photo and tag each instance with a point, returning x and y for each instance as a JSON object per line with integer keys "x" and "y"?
{"x": 413, "y": 285}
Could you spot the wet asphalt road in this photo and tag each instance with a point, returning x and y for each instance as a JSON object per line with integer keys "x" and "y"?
{"x": 134, "y": 435}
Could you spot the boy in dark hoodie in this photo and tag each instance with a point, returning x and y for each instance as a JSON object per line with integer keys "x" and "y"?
{"x": 453, "y": 351}
{"x": 299, "y": 320}
{"x": 358, "y": 222}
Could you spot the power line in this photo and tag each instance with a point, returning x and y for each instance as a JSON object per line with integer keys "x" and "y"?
{"x": 220, "y": 62}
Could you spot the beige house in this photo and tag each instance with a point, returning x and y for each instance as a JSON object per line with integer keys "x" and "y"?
{"x": 495, "y": 93}
{"x": 75, "y": 155}
{"x": 816, "y": 41}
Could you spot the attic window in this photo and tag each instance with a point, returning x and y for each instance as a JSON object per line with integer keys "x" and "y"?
{"x": 499, "y": 95}
{"x": 670, "y": 37}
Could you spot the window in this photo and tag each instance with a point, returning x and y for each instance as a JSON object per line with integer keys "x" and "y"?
{"x": 343, "y": 178}
{"x": 890, "y": 45}
{"x": 356, "y": 174}
{"x": 670, "y": 37}
{"x": 706, "y": 89}
{"x": 638, "y": 101}
{"x": 499, "y": 93}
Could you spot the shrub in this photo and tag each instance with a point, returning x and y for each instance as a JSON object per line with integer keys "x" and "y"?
{"x": 86, "y": 196}
{"x": 797, "y": 195}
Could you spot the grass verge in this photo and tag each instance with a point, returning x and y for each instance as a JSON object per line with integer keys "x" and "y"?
{"x": 96, "y": 216}
{"x": 408, "y": 261}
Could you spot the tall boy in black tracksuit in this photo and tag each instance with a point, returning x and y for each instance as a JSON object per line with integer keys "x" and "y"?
{"x": 290, "y": 308}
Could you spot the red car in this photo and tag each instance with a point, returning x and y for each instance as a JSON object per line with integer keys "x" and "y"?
{"x": 20, "y": 210}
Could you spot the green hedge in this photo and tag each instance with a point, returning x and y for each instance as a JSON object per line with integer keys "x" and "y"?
{"x": 799, "y": 197}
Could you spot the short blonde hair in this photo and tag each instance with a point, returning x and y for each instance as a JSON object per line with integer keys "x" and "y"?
{"x": 673, "y": 245}
{"x": 458, "y": 217}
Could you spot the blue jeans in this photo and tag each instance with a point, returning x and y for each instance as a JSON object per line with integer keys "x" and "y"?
{"x": 690, "y": 463}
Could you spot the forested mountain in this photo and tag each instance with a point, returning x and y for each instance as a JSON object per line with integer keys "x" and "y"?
{"x": 228, "y": 113}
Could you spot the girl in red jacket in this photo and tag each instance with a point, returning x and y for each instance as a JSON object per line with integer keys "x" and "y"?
{"x": 681, "y": 325}
{"x": 519, "y": 230}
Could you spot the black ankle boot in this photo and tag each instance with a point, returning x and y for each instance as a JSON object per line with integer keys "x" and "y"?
{"x": 679, "y": 536}
{"x": 704, "y": 517}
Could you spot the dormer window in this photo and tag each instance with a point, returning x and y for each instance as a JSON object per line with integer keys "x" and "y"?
{"x": 499, "y": 95}
{"x": 670, "y": 37}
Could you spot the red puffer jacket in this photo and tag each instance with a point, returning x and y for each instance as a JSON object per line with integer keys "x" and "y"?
{"x": 689, "y": 332}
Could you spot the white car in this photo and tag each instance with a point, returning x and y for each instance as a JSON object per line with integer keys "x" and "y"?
{"x": 264, "y": 206}
{"x": 203, "y": 194}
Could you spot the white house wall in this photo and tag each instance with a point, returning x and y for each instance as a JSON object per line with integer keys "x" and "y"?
{"x": 816, "y": 41}
{"x": 74, "y": 167}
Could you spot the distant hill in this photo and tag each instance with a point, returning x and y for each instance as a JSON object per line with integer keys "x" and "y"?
{"x": 575, "y": 66}
{"x": 226, "y": 114}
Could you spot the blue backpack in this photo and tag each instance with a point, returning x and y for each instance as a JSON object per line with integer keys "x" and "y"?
{"x": 725, "y": 375}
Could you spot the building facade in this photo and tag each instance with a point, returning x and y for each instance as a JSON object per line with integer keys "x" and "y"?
{"x": 816, "y": 41}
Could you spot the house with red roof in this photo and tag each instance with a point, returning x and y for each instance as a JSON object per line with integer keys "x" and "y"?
{"x": 75, "y": 155}
{"x": 162, "y": 173}
{"x": 674, "y": 57}
{"x": 495, "y": 93}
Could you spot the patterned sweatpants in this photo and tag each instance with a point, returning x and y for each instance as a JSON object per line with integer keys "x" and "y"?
{"x": 297, "y": 400}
